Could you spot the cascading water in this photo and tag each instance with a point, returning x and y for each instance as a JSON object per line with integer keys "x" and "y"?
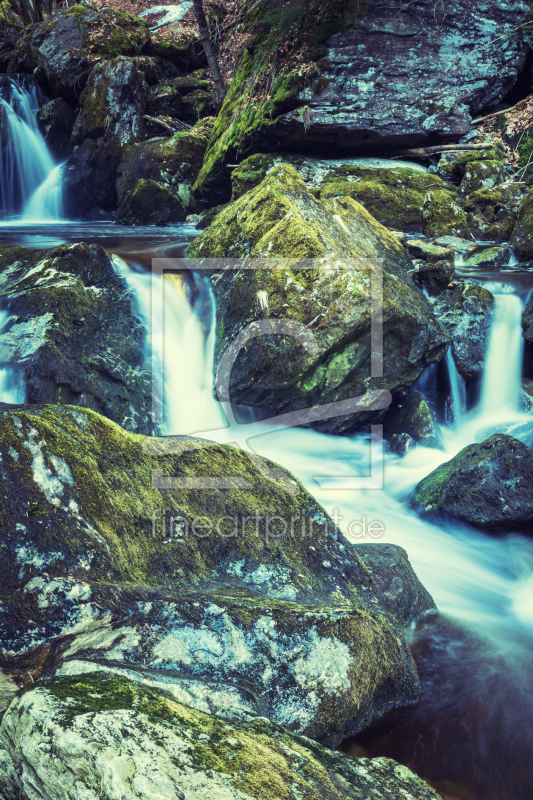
{"x": 474, "y": 723}
{"x": 30, "y": 180}
{"x": 457, "y": 388}
{"x": 11, "y": 390}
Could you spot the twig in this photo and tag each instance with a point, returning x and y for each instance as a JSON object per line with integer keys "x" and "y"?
{"x": 497, "y": 113}
{"x": 425, "y": 152}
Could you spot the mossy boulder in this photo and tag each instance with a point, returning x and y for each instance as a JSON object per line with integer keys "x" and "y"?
{"x": 89, "y": 177}
{"x": 490, "y": 209}
{"x": 492, "y": 257}
{"x": 466, "y": 312}
{"x": 112, "y": 104}
{"x": 172, "y": 162}
{"x": 435, "y": 276}
{"x": 441, "y": 216}
{"x": 481, "y": 174}
{"x": 55, "y": 123}
{"x": 126, "y": 561}
{"x": 522, "y": 237}
{"x": 454, "y": 165}
{"x": 57, "y": 733}
{"x": 250, "y": 173}
{"x": 395, "y": 196}
{"x": 185, "y": 50}
{"x": 415, "y": 418}
{"x": 69, "y": 44}
{"x": 71, "y": 333}
{"x": 164, "y": 101}
{"x": 150, "y": 204}
{"x": 421, "y": 249}
{"x": 281, "y": 220}
{"x": 199, "y": 104}
{"x": 487, "y": 485}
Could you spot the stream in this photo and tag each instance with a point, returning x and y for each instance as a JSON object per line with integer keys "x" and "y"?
{"x": 472, "y": 731}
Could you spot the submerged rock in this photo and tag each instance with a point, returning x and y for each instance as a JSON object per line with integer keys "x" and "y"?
{"x": 415, "y": 418}
{"x": 281, "y": 219}
{"x": 466, "y": 314}
{"x": 239, "y": 599}
{"x": 112, "y": 104}
{"x": 487, "y": 485}
{"x": 150, "y": 204}
{"x": 395, "y": 196}
{"x": 55, "y": 123}
{"x": 106, "y": 736}
{"x": 71, "y": 333}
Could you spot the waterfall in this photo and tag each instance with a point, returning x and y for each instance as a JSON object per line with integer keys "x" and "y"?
{"x": 30, "y": 180}
{"x": 502, "y": 375}
{"x": 11, "y": 388}
{"x": 457, "y": 388}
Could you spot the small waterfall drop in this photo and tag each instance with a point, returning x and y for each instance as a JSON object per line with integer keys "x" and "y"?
{"x": 503, "y": 368}
{"x": 30, "y": 180}
{"x": 457, "y": 388}
{"x": 11, "y": 389}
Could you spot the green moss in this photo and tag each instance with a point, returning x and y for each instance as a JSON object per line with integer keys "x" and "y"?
{"x": 441, "y": 216}
{"x": 525, "y": 152}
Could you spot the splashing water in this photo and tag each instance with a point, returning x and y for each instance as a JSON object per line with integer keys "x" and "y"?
{"x": 11, "y": 388}
{"x": 30, "y": 180}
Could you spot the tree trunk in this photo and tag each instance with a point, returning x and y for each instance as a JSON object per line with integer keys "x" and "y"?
{"x": 208, "y": 47}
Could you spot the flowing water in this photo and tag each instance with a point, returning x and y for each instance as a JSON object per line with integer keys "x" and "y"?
{"x": 472, "y": 731}
{"x": 30, "y": 179}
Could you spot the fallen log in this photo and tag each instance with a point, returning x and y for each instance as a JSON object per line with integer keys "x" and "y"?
{"x": 177, "y": 127}
{"x": 426, "y": 152}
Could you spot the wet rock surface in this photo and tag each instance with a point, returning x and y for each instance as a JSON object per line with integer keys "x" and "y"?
{"x": 466, "y": 312}
{"x": 281, "y": 216}
{"x": 72, "y": 334}
{"x": 185, "y": 606}
{"x": 89, "y": 177}
{"x": 486, "y": 485}
{"x": 149, "y": 203}
{"x": 55, "y": 123}
{"x": 414, "y": 418}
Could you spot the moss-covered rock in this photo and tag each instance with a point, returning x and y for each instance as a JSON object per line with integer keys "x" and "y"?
{"x": 172, "y": 162}
{"x": 164, "y": 101}
{"x": 493, "y": 257}
{"x": 487, "y": 485}
{"x": 441, "y": 216}
{"x": 55, "y": 123}
{"x": 522, "y": 237}
{"x": 71, "y": 332}
{"x": 281, "y": 220}
{"x": 466, "y": 312}
{"x": 150, "y": 204}
{"x": 434, "y": 276}
{"x": 239, "y": 599}
{"x": 89, "y": 177}
{"x": 488, "y": 208}
{"x": 56, "y": 735}
{"x": 199, "y": 104}
{"x": 415, "y": 418}
{"x": 395, "y": 197}
{"x": 73, "y": 41}
{"x": 112, "y": 104}
{"x": 431, "y": 253}
{"x": 453, "y": 166}
{"x": 250, "y": 173}
{"x": 481, "y": 174}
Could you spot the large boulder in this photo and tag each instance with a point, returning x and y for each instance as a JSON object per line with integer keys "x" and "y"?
{"x": 112, "y": 104}
{"x": 172, "y": 162}
{"x": 69, "y": 44}
{"x": 281, "y": 219}
{"x": 394, "y": 196}
{"x": 487, "y": 485}
{"x": 194, "y": 568}
{"x": 522, "y": 237}
{"x": 466, "y": 314}
{"x": 441, "y": 216}
{"x": 104, "y": 736}
{"x": 344, "y": 73}
{"x": 71, "y": 333}
{"x": 150, "y": 204}
{"x": 414, "y": 418}
{"x": 55, "y": 123}
{"x": 89, "y": 177}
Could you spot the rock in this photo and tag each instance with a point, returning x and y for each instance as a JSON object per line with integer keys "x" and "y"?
{"x": 112, "y": 104}
{"x": 488, "y": 208}
{"x": 441, "y": 216}
{"x": 165, "y": 101}
{"x": 466, "y": 314}
{"x": 71, "y": 332}
{"x": 75, "y": 39}
{"x": 401, "y": 443}
{"x": 418, "y": 248}
{"x": 480, "y": 175}
{"x": 89, "y": 177}
{"x": 9, "y": 35}
{"x": 106, "y": 736}
{"x": 185, "y": 51}
{"x": 150, "y": 204}
{"x": 522, "y": 237}
{"x": 435, "y": 277}
{"x": 462, "y": 246}
{"x": 199, "y": 104}
{"x": 527, "y": 321}
{"x": 280, "y": 217}
{"x": 124, "y": 566}
{"x": 344, "y": 90}
{"x": 172, "y": 162}
{"x": 487, "y": 485}
{"x": 455, "y": 165}
{"x": 250, "y": 173}
{"x": 193, "y": 82}
{"x": 394, "y": 196}
{"x": 415, "y": 418}
{"x": 493, "y": 257}
{"x": 55, "y": 123}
